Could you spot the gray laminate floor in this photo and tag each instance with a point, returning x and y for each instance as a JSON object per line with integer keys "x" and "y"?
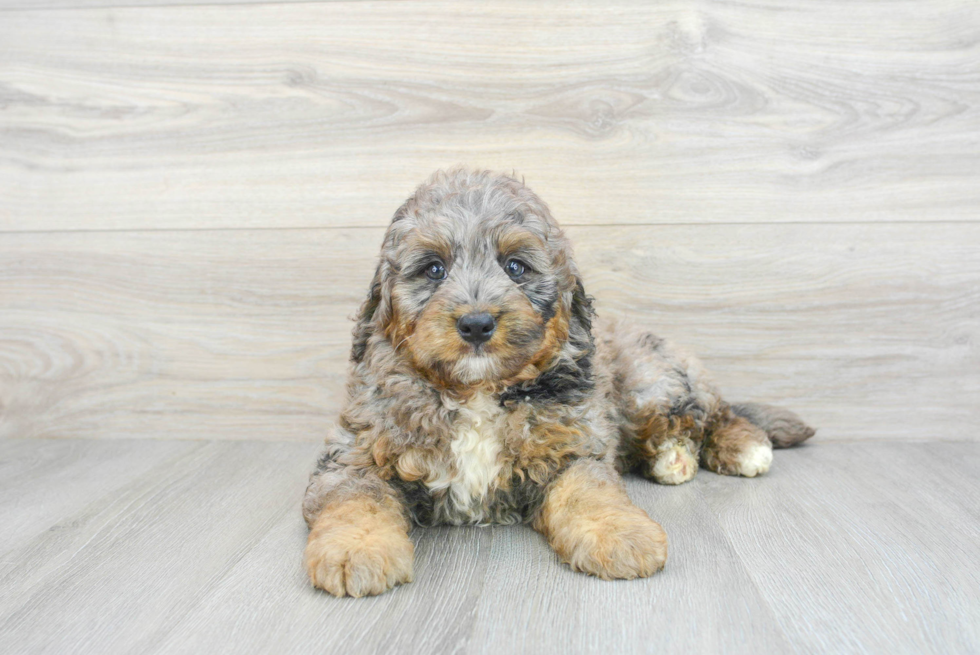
{"x": 150, "y": 546}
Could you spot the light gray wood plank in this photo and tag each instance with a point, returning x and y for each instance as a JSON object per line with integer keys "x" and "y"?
{"x": 119, "y": 575}
{"x": 860, "y": 547}
{"x": 946, "y": 460}
{"x": 266, "y": 602}
{"x": 241, "y": 335}
{"x": 44, "y": 481}
{"x": 323, "y": 114}
{"x": 870, "y": 331}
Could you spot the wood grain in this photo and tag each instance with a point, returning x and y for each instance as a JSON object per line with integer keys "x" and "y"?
{"x": 841, "y": 548}
{"x": 280, "y": 611}
{"x": 704, "y": 601}
{"x": 854, "y": 540}
{"x": 328, "y": 114}
{"x": 34, "y": 478}
{"x": 869, "y": 331}
{"x": 120, "y": 574}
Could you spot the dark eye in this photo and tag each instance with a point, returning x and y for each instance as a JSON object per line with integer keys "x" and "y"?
{"x": 515, "y": 268}
{"x": 435, "y": 271}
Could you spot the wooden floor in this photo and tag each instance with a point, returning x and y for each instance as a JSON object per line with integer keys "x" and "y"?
{"x": 165, "y": 546}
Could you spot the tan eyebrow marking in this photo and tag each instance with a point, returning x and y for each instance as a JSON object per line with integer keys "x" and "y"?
{"x": 423, "y": 243}
{"x": 518, "y": 240}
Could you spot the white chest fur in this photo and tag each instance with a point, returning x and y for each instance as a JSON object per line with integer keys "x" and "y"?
{"x": 476, "y": 453}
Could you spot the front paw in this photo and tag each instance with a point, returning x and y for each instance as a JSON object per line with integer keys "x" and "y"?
{"x": 358, "y": 549}
{"x": 624, "y": 543}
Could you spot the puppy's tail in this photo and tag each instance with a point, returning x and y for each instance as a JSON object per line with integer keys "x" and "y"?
{"x": 784, "y": 428}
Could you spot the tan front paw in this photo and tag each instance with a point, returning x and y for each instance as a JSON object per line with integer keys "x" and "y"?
{"x": 623, "y": 544}
{"x": 356, "y": 550}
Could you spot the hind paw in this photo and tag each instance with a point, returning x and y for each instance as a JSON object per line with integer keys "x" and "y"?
{"x": 749, "y": 461}
{"x": 675, "y": 465}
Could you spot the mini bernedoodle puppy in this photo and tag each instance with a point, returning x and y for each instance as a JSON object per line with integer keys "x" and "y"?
{"x": 480, "y": 391}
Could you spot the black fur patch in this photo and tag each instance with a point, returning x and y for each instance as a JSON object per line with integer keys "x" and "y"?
{"x": 568, "y": 382}
{"x": 326, "y": 459}
{"x": 515, "y": 505}
{"x": 544, "y": 298}
{"x": 330, "y": 458}
{"x": 582, "y": 309}
{"x": 418, "y": 501}
{"x": 523, "y": 497}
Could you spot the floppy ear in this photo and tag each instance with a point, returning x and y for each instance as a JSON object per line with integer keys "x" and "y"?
{"x": 375, "y": 313}
{"x": 372, "y": 315}
{"x": 580, "y": 319}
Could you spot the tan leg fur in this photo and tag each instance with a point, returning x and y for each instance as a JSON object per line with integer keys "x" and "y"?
{"x": 359, "y": 547}
{"x": 595, "y": 528}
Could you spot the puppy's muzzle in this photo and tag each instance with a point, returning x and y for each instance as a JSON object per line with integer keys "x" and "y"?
{"x": 476, "y": 328}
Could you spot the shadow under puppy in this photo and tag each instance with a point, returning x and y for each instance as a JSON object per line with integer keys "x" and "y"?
{"x": 480, "y": 392}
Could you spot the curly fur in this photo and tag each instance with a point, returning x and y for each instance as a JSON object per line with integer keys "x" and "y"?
{"x": 535, "y": 425}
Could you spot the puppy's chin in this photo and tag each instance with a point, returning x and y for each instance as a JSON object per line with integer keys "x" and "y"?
{"x": 476, "y": 368}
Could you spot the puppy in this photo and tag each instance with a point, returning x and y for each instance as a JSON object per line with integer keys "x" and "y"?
{"x": 480, "y": 391}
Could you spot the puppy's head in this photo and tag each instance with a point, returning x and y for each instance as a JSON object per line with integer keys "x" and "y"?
{"x": 476, "y": 285}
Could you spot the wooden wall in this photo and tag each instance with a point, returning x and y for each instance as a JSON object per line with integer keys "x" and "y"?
{"x": 192, "y": 195}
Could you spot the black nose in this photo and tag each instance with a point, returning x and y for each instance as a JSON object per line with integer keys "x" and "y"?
{"x": 476, "y": 328}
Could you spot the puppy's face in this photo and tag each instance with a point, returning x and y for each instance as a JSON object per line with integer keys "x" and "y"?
{"x": 476, "y": 282}
{"x": 474, "y": 297}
